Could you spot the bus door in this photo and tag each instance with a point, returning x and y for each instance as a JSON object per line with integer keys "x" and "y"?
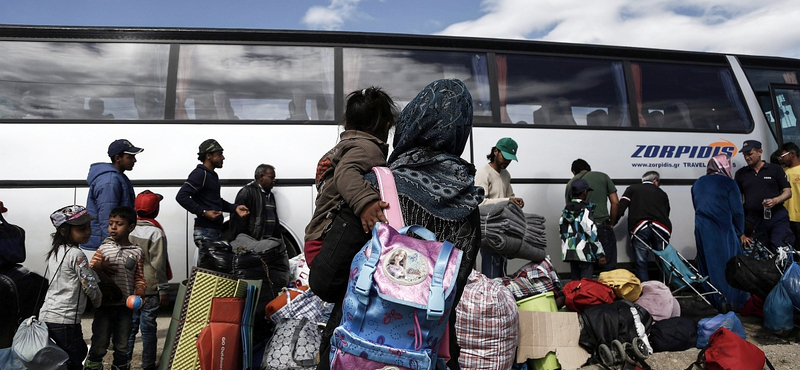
{"x": 785, "y": 112}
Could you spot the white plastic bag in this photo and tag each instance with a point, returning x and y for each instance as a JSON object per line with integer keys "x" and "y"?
{"x": 33, "y": 347}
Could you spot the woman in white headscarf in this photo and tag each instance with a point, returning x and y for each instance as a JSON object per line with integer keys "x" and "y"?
{"x": 718, "y": 224}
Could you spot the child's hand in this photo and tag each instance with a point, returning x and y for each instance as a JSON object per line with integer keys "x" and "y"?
{"x": 602, "y": 261}
{"x": 107, "y": 267}
{"x": 372, "y": 214}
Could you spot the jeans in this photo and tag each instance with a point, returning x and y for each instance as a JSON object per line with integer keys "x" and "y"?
{"x": 204, "y": 233}
{"x": 111, "y": 324}
{"x": 493, "y": 265}
{"x": 649, "y": 238}
{"x": 70, "y": 338}
{"x": 580, "y": 270}
{"x": 146, "y": 318}
{"x": 608, "y": 239}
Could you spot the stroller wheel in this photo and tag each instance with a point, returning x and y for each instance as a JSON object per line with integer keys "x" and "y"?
{"x": 629, "y": 355}
{"x": 639, "y": 349}
{"x": 606, "y": 357}
{"x": 619, "y": 351}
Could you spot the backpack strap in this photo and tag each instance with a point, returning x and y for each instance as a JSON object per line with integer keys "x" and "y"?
{"x": 436, "y": 297}
{"x": 389, "y": 195}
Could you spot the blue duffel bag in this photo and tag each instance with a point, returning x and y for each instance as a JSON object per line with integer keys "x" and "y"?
{"x": 708, "y": 326}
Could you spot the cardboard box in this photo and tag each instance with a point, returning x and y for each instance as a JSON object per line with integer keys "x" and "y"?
{"x": 543, "y": 332}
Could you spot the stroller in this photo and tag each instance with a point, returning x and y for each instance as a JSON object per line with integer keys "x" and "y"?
{"x": 679, "y": 274}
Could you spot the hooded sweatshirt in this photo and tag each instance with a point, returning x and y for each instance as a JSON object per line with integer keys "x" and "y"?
{"x": 108, "y": 188}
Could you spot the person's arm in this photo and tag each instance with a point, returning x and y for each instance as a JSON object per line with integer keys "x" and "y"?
{"x": 363, "y": 199}
{"x": 189, "y": 189}
{"x": 158, "y": 257}
{"x": 612, "y": 213}
{"x": 240, "y": 224}
{"x": 737, "y": 213}
{"x": 139, "y": 282}
{"x": 88, "y": 279}
{"x": 100, "y": 265}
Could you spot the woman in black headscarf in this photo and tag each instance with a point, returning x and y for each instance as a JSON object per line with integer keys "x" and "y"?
{"x": 435, "y": 186}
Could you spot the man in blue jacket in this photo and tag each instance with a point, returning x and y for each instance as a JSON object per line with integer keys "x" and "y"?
{"x": 110, "y": 188}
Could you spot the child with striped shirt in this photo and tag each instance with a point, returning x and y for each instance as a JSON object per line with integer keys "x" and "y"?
{"x": 119, "y": 261}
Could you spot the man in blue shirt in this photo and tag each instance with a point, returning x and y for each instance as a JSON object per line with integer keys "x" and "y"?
{"x": 200, "y": 195}
{"x": 764, "y": 186}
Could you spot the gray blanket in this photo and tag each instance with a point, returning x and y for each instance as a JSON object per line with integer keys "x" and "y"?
{"x": 512, "y": 233}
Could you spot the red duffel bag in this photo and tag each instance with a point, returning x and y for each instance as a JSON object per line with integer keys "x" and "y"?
{"x": 582, "y": 293}
{"x": 728, "y": 351}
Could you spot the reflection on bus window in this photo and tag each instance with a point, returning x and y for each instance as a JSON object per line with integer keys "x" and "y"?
{"x": 760, "y": 79}
{"x": 59, "y": 80}
{"x": 247, "y": 82}
{"x": 403, "y": 73}
{"x": 558, "y": 91}
{"x": 688, "y": 97}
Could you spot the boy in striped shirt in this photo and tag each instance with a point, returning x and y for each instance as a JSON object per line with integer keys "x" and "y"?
{"x": 119, "y": 261}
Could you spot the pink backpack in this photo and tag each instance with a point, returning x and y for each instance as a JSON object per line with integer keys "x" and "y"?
{"x": 399, "y": 296}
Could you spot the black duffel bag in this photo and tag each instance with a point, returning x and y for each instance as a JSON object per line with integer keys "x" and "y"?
{"x": 12, "y": 243}
{"x": 673, "y": 334}
{"x": 755, "y": 276}
{"x": 250, "y": 259}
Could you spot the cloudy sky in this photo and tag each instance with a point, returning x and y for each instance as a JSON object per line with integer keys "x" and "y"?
{"x": 765, "y": 27}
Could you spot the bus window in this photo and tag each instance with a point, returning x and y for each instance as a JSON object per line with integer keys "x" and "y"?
{"x": 403, "y": 73}
{"x": 249, "y": 82}
{"x": 559, "y": 91}
{"x": 686, "y": 97}
{"x": 760, "y": 79}
{"x": 787, "y": 104}
{"x": 72, "y": 80}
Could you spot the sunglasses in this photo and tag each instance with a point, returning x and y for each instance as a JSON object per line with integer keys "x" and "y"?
{"x": 783, "y": 155}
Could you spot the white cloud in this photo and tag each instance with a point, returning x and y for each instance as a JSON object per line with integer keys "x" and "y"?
{"x": 331, "y": 17}
{"x": 765, "y": 27}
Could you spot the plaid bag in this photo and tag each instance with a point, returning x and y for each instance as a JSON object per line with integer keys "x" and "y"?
{"x": 532, "y": 279}
{"x": 487, "y": 324}
{"x": 302, "y": 304}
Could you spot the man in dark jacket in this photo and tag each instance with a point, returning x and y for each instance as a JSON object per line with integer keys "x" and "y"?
{"x": 262, "y": 222}
{"x": 648, "y": 219}
{"x": 200, "y": 195}
{"x": 109, "y": 188}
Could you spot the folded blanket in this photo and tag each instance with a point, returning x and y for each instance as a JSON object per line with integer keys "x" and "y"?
{"x": 512, "y": 233}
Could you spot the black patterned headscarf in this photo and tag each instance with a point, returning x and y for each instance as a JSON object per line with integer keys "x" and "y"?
{"x": 430, "y": 136}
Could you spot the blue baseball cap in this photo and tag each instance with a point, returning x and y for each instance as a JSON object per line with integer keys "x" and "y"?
{"x": 122, "y": 146}
{"x": 750, "y": 145}
{"x": 579, "y": 186}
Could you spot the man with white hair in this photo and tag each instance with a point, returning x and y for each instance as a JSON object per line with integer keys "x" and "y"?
{"x": 648, "y": 219}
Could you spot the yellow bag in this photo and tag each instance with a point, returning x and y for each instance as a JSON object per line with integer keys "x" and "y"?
{"x": 624, "y": 283}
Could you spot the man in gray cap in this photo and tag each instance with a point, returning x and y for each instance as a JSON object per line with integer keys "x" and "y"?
{"x": 496, "y": 183}
{"x": 200, "y": 195}
{"x": 110, "y": 188}
{"x": 764, "y": 187}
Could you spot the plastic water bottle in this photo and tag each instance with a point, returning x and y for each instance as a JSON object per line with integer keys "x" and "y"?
{"x": 767, "y": 212}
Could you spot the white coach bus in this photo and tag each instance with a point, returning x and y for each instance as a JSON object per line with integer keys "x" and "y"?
{"x": 277, "y": 97}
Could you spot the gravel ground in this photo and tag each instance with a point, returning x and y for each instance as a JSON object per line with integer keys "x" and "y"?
{"x": 783, "y": 353}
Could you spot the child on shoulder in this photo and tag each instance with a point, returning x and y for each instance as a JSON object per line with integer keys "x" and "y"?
{"x": 150, "y": 237}
{"x": 72, "y": 283}
{"x": 369, "y": 115}
{"x": 579, "y": 244}
{"x": 119, "y": 261}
